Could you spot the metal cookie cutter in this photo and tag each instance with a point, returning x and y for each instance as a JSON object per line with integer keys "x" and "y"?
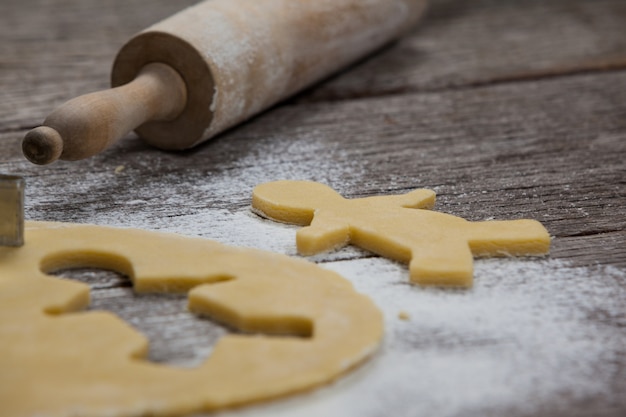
{"x": 11, "y": 210}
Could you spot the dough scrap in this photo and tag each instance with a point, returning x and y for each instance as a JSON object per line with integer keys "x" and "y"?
{"x": 439, "y": 247}
{"x": 56, "y": 360}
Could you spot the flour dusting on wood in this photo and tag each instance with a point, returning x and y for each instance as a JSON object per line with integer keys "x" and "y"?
{"x": 528, "y": 331}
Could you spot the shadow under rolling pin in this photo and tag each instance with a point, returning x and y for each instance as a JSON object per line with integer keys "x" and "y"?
{"x": 214, "y": 65}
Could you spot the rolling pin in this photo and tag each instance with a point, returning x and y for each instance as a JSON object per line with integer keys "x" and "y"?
{"x": 214, "y": 65}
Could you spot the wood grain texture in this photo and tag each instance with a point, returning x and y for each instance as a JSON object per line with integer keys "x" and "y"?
{"x": 491, "y": 41}
{"x": 507, "y": 109}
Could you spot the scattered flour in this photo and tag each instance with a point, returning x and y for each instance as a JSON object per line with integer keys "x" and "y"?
{"x": 523, "y": 336}
{"x": 530, "y": 330}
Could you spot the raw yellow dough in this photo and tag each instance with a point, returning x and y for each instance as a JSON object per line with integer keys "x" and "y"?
{"x": 58, "y": 361}
{"x": 440, "y": 247}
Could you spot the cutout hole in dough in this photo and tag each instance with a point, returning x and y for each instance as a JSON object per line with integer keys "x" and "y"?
{"x": 177, "y": 337}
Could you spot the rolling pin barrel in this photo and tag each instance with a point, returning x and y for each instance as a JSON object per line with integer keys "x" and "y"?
{"x": 234, "y": 59}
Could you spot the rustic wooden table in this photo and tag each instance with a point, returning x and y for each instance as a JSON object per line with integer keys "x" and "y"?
{"x": 507, "y": 109}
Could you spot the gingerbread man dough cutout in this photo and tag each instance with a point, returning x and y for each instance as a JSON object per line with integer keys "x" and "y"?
{"x": 56, "y": 360}
{"x": 439, "y": 247}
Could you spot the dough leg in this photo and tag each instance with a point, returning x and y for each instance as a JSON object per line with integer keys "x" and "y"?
{"x": 447, "y": 264}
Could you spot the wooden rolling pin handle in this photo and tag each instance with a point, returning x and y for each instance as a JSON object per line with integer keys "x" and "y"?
{"x": 86, "y": 125}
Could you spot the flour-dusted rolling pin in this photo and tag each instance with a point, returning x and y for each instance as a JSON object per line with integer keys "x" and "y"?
{"x": 213, "y": 65}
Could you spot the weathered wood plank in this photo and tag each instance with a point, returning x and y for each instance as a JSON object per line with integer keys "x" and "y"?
{"x": 550, "y": 150}
{"x": 600, "y": 249}
{"x": 491, "y": 41}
